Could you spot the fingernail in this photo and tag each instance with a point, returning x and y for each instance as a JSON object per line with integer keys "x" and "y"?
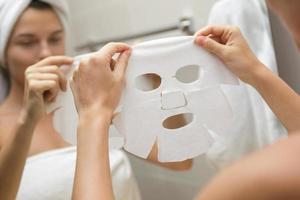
{"x": 201, "y": 40}
{"x": 71, "y": 59}
{"x": 128, "y": 52}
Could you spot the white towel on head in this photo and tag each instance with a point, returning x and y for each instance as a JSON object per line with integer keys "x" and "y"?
{"x": 10, "y": 11}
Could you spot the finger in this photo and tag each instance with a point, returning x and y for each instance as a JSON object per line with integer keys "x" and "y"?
{"x": 60, "y": 79}
{"x": 212, "y": 30}
{"x": 54, "y": 70}
{"x": 41, "y": 85}
{"x": 43, "y": 76}
{"x": 111, "y": 48}
{"x": 122, "y": 63}
{"x": 217, "y": 39}
{"x": 55, "y": 60}
{"x": 210, "y": 45}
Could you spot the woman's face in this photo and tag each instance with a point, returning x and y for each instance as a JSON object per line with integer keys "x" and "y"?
{"x": 37, "y": 34}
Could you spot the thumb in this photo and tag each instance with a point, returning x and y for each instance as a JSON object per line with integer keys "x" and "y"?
{"x": 210, "y": 45}
{"x": 122, "y": 63}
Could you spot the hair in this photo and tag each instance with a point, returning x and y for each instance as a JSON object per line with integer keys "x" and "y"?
{"x": 40, "y": 5}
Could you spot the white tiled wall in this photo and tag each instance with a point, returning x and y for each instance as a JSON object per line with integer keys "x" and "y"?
{"x": 97, "y": 20}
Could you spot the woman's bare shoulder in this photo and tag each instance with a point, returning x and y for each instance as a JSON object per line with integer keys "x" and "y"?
{"x": 268, "y": 174}
{"x": 277, "y": 166}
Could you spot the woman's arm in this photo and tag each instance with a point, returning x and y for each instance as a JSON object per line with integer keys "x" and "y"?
{"x": 283, "y": 100}
{"x": 92, "y": 176}
{"x": 15, "y": 149}
{"x": 97, "y": 85}
{"x": 227, "y": 43}
{"x": 13, "y": 155}
{"x": 269, "y": 174}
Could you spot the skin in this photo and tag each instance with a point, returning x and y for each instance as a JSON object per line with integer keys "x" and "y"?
{"x": 34, "y": 55}
{"x": 92, "y": 176}
{"x": 271, "y": 173}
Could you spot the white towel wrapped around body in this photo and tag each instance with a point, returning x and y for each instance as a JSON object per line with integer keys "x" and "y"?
{"x": 49, "y": 175}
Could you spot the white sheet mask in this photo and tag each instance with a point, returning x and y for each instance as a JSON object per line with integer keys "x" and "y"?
{"x": 168, "y": 78}
{"x": 165, "y": 79}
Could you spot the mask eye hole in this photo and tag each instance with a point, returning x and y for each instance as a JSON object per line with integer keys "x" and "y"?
{"x": 178, "y": 121}
{"x": 188, "y": 74}
{"x": 148, "y": 82}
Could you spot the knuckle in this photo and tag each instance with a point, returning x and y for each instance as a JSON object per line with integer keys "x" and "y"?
{"x": 29, "y": 70}
{"x": 29, "y": 76}
{"x": 95, "y": 60}
{"x": 111, "y": 44}
{"x": 55, "y": 68}
{"x": 56, "y": 77}
{"x": 209, "y": 45}
{"x": 31, "y": 84}
{"x": 236, "y": 28}
{"x": 120, "y": 78}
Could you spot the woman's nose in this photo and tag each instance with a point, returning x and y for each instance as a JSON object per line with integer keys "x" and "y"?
{"x": 45, "y": 50}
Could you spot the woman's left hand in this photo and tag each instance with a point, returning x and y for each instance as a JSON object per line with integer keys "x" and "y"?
{"x": 98, "y": 81}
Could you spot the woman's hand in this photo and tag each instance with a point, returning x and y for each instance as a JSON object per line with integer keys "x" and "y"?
{"x": 97, "y": 87}
{"x": 228, "y": 43}
{"x": 98, "y": 81}
{"x": 43, "y": 81}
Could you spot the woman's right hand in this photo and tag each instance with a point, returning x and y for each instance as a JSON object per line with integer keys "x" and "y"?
{"x": 228, "y": 43}
{"x": 43, "y": 81}
{"x": 98, "y": 81}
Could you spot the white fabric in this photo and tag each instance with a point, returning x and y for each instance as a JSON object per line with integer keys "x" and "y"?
{"x": 10, "y": 11}
{"x": 256, "y": 125}
{"x": 49, "y": 175}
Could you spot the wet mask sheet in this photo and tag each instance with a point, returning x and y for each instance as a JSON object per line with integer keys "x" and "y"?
{"x": 172, "y": 98}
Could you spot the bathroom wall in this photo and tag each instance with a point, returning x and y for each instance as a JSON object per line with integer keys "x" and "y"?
{"x": 100, "y": 20}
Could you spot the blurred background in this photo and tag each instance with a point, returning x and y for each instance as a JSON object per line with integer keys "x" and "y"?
{"x": 98, "y": 21}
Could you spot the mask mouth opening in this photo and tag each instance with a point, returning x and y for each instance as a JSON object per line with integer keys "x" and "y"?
{"x": 178, "y": 121}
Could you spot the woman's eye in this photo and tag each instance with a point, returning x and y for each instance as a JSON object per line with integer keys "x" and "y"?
{"x": 55, "y": 40}
{"x": 27, "y": 43}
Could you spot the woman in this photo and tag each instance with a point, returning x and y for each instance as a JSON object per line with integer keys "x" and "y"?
{"x": 270, "y": 174}
{"x": 28, "y": 47}
{"x": 33, "y": 43}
